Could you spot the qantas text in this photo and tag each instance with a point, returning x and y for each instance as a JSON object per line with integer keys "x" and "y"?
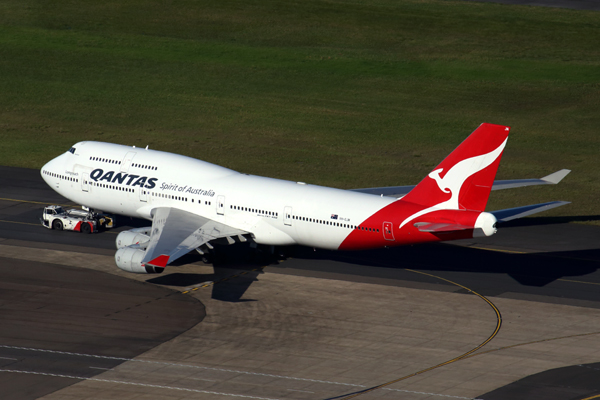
{"x": 122, "y": 178}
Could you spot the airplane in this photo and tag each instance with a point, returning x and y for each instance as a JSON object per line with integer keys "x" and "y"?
{"x": 192, "y": 203}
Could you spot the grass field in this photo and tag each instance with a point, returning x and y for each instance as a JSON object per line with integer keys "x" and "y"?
{"x": 339, "y": 93}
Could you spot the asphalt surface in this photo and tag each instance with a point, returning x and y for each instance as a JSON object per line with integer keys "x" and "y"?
{"x": 63, "y": 324}
{"x": 65, "y": 310}
{"x": 575, "y": 382}
{"x": 538, "y": 259}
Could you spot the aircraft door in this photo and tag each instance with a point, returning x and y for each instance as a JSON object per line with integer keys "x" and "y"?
{"x": 388, "y": 231}
{"x": 85, "y": 184}
{"x": 143, "y": 194}
{"x": 221, "y": 205}
{"x": 127, "y": 161}
{"x": 287, "y": 216}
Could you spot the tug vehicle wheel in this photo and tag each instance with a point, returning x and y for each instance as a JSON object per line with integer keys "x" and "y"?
{"x": 85, "y": 228}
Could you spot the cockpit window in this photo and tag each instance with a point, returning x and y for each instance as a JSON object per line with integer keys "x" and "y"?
{"x": 72, "y": 150}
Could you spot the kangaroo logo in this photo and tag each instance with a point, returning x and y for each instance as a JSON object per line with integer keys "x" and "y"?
{"x": 454, "y": 179}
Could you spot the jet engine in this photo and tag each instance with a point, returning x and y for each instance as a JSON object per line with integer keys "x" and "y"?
{"x": 130, "y": 259}
{"x": 131, "y": 247}
{"x": 139, "y": 236}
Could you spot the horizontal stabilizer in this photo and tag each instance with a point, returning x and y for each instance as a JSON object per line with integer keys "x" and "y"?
{"x": 520, "y": 212}
{"x": 556, "y": 177}
{"x": 551, "y": 179}
{"x": 436, "y": 227}
{"x": 399, "y": 191}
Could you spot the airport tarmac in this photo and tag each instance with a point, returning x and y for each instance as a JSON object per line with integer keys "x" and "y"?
{"x": 513, "y": 316}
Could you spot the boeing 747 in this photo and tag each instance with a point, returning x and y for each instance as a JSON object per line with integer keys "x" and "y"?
{"x": 192, "y": 202}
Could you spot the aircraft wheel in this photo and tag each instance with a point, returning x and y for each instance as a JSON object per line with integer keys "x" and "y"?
{"x": 207, "y": 259}
{"x": 57, "y": 224}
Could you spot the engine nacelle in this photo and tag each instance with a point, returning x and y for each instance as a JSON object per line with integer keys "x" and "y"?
{"x": 134, "y": 236}
{"x": 130, "y": 259}
{"x": 485, "y": 225}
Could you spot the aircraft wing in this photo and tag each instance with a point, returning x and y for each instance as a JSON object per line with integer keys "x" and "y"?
{"x": 176, "y": 232}
{"x": 391, "y": 191}
{"x": 399, "y": 191}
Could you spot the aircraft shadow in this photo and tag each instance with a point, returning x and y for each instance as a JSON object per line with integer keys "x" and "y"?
{"x": 537, "y": 269}
{"x": 572, "y": 382}
{"x": 489, "y": 272}
{"x": 560, "y": 250}
{"x": 235, "y": 268}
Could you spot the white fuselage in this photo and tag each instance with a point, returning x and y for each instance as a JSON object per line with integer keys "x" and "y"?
{"x": 133, "y": 181}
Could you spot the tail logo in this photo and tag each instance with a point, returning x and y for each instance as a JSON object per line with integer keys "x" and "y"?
{"x": 435, "y": 175}
{"x": 454, "y": 179}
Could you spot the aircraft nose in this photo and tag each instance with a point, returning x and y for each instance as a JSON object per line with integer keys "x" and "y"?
{"x": 45, "y": 171}
{"x": 50, "y": 170}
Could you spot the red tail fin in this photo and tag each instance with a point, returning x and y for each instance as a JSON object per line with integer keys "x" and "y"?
{"x": 464, "y": 179}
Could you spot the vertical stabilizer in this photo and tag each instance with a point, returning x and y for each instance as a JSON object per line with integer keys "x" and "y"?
{"x": 464, "y": 179}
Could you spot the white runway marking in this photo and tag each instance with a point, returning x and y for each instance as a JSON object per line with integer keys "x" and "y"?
{"x": 136, "y": 384}
{"x": 202, "y": 379}
{"x": 217, "y": 369}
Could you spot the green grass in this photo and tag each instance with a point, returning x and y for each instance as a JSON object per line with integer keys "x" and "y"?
{"x": 345, "y": 94}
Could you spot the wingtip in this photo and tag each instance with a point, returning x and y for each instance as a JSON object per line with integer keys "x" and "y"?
{"x": 556, "y": 177}
{"x": 160, "y": 261}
